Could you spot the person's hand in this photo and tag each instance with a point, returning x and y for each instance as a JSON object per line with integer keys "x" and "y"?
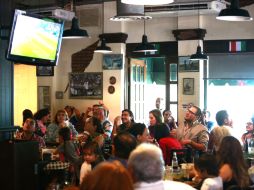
{"x": 173, "y": 133}
{"x": 185, "y": 141}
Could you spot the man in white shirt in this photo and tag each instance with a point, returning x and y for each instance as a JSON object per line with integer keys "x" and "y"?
{"x": 146, "y": 166}
{"x": 223, "y": 129}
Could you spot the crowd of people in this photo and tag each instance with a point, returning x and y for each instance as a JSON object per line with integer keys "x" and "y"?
{"x": 130, "y": 155}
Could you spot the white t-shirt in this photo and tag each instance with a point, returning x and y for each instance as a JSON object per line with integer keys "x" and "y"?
{"x": 84, "y": 170}
{"x": 212, "y": 184}
{"x": 162, "y": 185}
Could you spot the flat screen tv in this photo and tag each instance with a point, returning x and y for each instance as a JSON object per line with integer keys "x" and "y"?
{"x": 34, "y": 39}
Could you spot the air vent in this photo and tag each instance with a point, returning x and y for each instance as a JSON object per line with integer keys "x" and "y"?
{"x": 186, "y": 8}
{"x": 127, "y": 12}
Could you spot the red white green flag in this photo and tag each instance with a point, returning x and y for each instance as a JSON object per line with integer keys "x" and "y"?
{"x": 237, "y": 46}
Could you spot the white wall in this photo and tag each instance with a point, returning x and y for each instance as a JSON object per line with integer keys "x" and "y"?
{"x": 157, "y": 29}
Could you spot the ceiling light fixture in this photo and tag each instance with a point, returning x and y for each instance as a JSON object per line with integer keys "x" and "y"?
{"x": 145, "y": 46}
{"x": 75, "y": 32}
{"x": 199, "y": 55}
{"x": 103, "y": 48}
{"x": 234, "y": 13}
{"x": 147, "y": 2}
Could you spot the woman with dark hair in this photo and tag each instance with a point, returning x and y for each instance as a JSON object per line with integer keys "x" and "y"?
{"x": 233, "y": 168}
{"x": 155, "y": 118}
{"x": 41, "y": 116}
{"x": 127, "y": 120}
{"x": 166, "y": 143}
{"x": 140, "y": 131}
{"x": 27, "y": 113}
{"x": 60, "y": 121}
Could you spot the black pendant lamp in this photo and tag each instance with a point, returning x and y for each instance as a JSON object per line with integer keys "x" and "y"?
{"x": 145, "y": 46}
{"x": 103, "y": 48}
{"x": 199, "y": 55}
{"x": 75, "y": 32}
{"x": 234, "y": 13}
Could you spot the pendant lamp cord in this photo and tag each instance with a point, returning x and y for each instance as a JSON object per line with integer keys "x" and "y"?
{"x": 144, "y": 24}
{"x": 102, "y": 16}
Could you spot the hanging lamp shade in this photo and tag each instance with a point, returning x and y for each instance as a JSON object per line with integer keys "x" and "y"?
{"x": 103, "y": 48}
{"x": 198, "y": 55}
{"x": 75, "y": 32}
{"x": 147, "y": 2}
{"x": 145, "y": 46}
{"x": 234, "y": 13}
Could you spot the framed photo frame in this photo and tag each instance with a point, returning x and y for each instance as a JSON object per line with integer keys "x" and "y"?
{"x": 187, "y": 65}
{"x": 188, "y": 86}
{"x": 87, "y": 85}
{"x": 112, "y": 62}
{"x": 44, "y": 71}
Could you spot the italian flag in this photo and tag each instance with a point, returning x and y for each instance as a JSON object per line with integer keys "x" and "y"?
{"x": 237, "y": 46}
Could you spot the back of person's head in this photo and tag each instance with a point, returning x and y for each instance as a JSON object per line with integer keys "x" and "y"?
{"x": 230, "y": 152}
{"x": 157, "y": 114}
{"x": 221, "y": 116}
{"x": 137, "y": 129}
{"x": 146, "y": 163}
{"x": 41, "y": 113}
{"x": 65, "y": 133}
{"x": 107, "y": 176}
{"x": 161, "y": 131}
{"x": 27, "y": 114}
{"x": 124, "y": 143}
{"x": 207, "y": 163}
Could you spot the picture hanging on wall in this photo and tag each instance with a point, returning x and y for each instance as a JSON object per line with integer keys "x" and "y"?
{"x": 188, "y": 86}
{"x": 187, "y": 65}
{"x": 44, "y": 71}
{"x": 87, "y": 85}
{"x": 112, "y": 61}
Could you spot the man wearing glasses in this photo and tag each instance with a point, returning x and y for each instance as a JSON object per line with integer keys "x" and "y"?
{"x": 193, "y": 135}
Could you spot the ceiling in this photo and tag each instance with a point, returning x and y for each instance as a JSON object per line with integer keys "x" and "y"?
{"x": 61, "y": 3}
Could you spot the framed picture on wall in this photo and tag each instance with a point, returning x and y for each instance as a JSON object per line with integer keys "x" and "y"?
{"x": 87, "y": 85}
{"x": 112, "y": 62}
{"x": 187, "y": 65}
{"x": 188, "y": 86}
{"x": 44, "y": 71}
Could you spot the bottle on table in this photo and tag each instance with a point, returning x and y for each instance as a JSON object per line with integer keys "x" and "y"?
{"x": 174, "y": 164}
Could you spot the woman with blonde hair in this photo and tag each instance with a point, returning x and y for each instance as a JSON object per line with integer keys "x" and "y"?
{"x": 61, "y": 120}
{"x": 108, "y": 176}
{"x": 233, "y": 169}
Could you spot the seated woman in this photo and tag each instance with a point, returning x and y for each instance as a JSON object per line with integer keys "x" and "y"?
{"x": 28, "y": 133}
{"x": 140, "y": 132}
{"x": 108, "y": 175}
{"x": 233, "y": 168}
{"x": 166, "y": 142}
{"x": 42, "y": 117}
{"x": 60, "y": 121}
{"x": 249, "y": 134}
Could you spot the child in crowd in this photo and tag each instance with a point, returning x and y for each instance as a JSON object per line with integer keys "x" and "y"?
{"x": 92, "y": 156}
{"x": 207, "y": 170}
